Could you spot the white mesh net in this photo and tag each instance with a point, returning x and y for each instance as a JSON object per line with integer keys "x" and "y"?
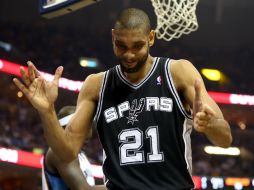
{"x": 175, "y": 17}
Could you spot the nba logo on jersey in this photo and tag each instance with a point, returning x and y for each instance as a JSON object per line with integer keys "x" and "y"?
{"x": 159, "y": 80}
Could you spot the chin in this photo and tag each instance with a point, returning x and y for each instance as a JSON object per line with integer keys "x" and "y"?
{"x": 128, "y": 66}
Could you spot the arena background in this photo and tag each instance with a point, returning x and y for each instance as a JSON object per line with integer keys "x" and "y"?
{"x": 224, "y": 41}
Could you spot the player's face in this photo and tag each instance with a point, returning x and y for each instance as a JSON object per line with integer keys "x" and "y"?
{"x": 131, "y": 48}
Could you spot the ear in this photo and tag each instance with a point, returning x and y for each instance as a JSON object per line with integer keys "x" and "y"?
{"x": 151, "y": 37}
{"x": 113, "y": 34}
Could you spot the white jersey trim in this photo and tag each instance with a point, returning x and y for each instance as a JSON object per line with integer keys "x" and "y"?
{"x": 187, "y": 129}
{"x": 99, "y": 106}
{"x": 173, "y": 89}
{"x": 105, "y": 180}
{"x": 44, "y": 181}
{"x": 136, "y": 86}
{"x": 86, "y": 168}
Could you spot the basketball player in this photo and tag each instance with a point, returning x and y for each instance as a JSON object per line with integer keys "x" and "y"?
{"x": 76, "y": 175}
{"x": 144, "y": 108}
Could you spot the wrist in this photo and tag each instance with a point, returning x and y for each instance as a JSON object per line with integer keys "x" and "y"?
{"x": 47, "y": 112}
{"x": 215, "y": 123}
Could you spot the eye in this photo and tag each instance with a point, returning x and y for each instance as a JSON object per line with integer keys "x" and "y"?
{"x": 120, "y": 46}
{"x": 138, "y": 46}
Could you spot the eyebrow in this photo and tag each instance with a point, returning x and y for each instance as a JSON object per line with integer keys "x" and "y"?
{"x": 140, "y": 43}
{"x": 135, "y": 43}
{"x": 119, "y": 42}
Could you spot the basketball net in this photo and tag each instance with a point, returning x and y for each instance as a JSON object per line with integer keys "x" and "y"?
{"x": 175, "y": 17}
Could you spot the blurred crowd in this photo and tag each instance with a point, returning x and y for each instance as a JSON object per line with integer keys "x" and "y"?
{"x": 220, "y": 165}
{"x": 20, "y": 126}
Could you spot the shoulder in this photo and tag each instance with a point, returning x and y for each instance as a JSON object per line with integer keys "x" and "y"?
{"x": 180, "y": 65}
{"x": 92, "y": 85}
{"x": 183, "y": 72}
{"x": 96, "y": 76}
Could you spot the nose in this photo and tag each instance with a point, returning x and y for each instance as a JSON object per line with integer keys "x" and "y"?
{"x": 128, "y": 54}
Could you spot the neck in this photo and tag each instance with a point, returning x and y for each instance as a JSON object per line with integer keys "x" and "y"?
{"x": 141, "y": 73}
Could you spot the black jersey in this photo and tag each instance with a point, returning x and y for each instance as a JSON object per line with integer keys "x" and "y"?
{"x": 145, "y": 131}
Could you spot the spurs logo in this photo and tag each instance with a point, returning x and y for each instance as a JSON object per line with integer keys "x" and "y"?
{"x": 135, "y": 110}
{"x": 131, "y": 112}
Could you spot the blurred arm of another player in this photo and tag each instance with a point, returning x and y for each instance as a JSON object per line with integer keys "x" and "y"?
{"x": 71, "y": 173}
{"x": 76, "y": 175}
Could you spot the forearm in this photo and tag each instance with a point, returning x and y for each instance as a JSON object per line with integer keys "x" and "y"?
{"x": 55, "y": 136}
{"x": 99, "y": 187}
{"x": 219, "y": 133}
{"x": 72, "y": 175}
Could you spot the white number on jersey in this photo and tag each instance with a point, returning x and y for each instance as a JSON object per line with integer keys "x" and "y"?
{"x": 132, "y": 142}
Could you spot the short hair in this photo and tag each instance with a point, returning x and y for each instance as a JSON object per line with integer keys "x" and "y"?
{"x": 65, "y": 111}
{"x": 133, "y": 18}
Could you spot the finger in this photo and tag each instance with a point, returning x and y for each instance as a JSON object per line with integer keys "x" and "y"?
{"x": 201, "y": 122}
{"x": 24, "y": 76}
{"x": 41, "y": 84}
{"x": 197, "y": 87}
{"x": 197, "y": 105}
{"x": 202, "y": 116}
{"x": 31, "y": 72}
{"x": 36, "y": 72}
{"x": 22, "y": 87}
{"x": 34, "y": 85}
{"x": 208, "y": 110}
{"x": 58, "y": 74}
{"x": 200, "y": 129}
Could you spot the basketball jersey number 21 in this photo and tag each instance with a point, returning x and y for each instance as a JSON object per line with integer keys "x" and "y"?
{"x": 145, "y": 131}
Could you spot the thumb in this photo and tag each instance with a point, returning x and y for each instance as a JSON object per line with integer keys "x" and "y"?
{"x": 197, "y": 104}
{"x": 58, "y": 74}
{"x": 208, "y": 110}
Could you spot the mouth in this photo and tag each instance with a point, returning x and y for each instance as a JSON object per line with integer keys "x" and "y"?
{"x": 129, "y": 63}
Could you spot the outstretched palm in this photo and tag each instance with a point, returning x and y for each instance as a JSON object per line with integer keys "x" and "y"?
{"x": 41, "y": 93}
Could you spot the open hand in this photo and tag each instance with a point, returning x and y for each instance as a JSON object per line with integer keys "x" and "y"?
{"x": 41, "y": 93}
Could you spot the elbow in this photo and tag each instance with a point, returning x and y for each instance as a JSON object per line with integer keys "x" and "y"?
{"x": 224, "y": 141}
{"x": 227, "y": 141}
{"x": 230, "y": 140}
{"x": 69, "y": 158}
{"x": 70, "y": 155}
{"x": 73, "y": 155}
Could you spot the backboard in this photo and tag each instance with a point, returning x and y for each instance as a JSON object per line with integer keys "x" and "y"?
{"x": 54, "y": 8}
